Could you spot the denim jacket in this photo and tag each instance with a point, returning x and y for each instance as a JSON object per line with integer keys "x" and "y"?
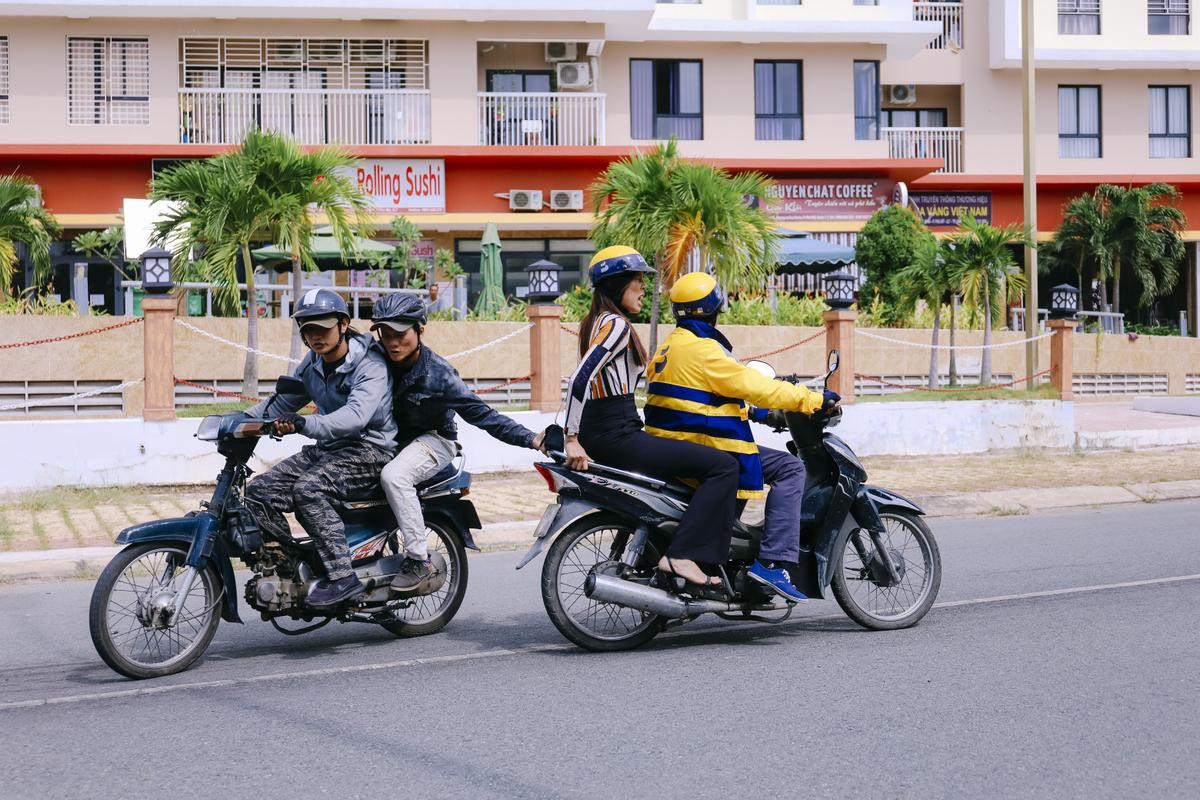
{"x": 426, "y": 397}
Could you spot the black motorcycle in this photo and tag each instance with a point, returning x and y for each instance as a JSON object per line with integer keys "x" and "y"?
{"x": 157, "y": 604}
{"x": 609, "y": 528}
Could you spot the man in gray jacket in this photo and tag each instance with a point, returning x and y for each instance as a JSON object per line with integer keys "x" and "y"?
{"x": 346, "y": 376}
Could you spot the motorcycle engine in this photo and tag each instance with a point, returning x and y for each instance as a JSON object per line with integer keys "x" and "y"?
{"x": 275, "y": 585}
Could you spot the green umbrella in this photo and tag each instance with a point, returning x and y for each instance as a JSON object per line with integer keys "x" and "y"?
{"x": 324, "y": 247}
{"x": 798, "y": 253}
{"x": 491, "y": 272}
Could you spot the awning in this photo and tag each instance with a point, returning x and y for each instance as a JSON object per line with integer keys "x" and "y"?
{"x": 800, "y": 253}
{"x": 325, "y": 251}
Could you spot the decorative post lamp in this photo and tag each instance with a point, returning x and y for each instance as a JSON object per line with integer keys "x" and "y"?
{"x": 158, "y": 349}
{"x": 1064, "y": 307}
{"x": 839, "y": 331}
{"x": 839, "y": 290}
{"x": 543, "y": 281}
{"x": 545, "y": 350}
{"x": 156, "y": 271}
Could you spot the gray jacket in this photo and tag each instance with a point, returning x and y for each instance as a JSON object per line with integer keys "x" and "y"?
{"x": 354, "y": 404}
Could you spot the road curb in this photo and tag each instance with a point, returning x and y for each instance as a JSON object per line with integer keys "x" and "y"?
{"x": 86, "y": 562}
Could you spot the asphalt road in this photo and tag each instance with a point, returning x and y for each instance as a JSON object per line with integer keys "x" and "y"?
{"x": 1036, "y": 676}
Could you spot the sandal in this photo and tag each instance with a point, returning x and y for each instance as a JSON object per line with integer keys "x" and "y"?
{"x": 669, "y": 569}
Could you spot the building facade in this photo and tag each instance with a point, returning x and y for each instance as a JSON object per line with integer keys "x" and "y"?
{"x": 466, "y": 112}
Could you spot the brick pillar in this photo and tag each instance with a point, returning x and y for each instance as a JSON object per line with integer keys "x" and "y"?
{"x": 158, "y": 349}
{"x": 545, "y": 356}
{"x": 839, "y": 335}
{"x": 1061, "y": 353}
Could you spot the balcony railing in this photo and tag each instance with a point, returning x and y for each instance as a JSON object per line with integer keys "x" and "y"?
{"x": 312, "y": 116}
{"x": 950, "y": 15}
{"x": 555, "y": 119}
{"x": 943, "y": 143}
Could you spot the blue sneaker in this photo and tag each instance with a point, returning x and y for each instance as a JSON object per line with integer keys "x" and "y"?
{"x": 777, "y": 580}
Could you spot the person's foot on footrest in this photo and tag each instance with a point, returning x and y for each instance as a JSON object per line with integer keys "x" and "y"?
{"x": 773, "y": 576}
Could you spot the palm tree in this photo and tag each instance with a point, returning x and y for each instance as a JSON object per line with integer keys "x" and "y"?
{"x": 1144, "y": 227}
{"x": 294, "y": 185}
{"x": 982, "y": 265}
{"x": 682, "y": 212}
{"x": 927, "y": 278}
{"x": 108, "y": 244}
{"x": 23, "y": 219}
{"x": 1082, "y": 241}
{"x": 262, "y": 191}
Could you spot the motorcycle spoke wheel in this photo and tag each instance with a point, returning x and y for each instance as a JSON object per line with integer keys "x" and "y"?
{"x": 430, "y": 612}
{"x": 589, "y": 623}
{"x": 124, "y": 629}
{"x": 912, "y": 546}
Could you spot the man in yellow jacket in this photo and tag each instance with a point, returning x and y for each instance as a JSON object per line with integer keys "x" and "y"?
{"x": 698, "y": 392}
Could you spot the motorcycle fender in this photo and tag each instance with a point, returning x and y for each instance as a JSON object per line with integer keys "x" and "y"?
{"x": 885, "y": 500}
{"x": 460, "y": 513}
{"x": 565, "y": 512}
{"x": 181, "y": 530}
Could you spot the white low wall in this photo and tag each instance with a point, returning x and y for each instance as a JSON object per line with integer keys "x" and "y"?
{"x": 46, "y": 453}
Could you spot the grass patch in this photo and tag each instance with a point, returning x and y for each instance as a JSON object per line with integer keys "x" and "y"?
{"x": 1046, "y": 392}
{"x": 204, "y": 409}
{"x": 1007, "y": 511}
{"x": 66, "y": 518}
{"x": 39, "y": 532}
{"x": 66, "y": 497}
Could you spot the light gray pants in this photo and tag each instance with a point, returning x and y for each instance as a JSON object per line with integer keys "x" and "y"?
{"x": 417, "y": 462}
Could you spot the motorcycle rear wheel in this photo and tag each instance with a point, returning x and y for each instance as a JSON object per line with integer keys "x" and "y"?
{"x": 601, "y": 627}
{"x": 430, "y": 613}
{"x": 129, "y": 584}
{"x": 880, "y": 608}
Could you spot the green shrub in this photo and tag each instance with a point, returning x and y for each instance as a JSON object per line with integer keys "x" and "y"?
{"x": 1152, "y": 330}
{"x": 888, "y": 243}
{"x": 806, "y": 310}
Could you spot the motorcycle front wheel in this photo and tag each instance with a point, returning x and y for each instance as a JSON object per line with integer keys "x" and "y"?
{"x": 127, "y": 620}
{"x": 430, "y": 613}
{"x": 592, "y": 625}
{"x": 858, "y": 590}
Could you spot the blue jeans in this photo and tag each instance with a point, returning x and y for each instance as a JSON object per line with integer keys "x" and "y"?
{"x": 785, "y": 474}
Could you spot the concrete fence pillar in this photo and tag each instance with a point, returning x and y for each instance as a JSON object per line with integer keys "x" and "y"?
{"x": 1061, "y": 353}
{"x": 839, "y": 335}
{"x": 545, "y": 356}
{"x": 159, "y": 353}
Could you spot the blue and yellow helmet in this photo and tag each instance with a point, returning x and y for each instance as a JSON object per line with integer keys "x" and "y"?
{"x": 616, "y": 260}
{"x": 696, "y": 294}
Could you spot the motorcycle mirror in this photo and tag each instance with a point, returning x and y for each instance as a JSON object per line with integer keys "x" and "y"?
{"x": 286, "y": 384}
{"x": 554, "y": 440}
{"x": 762, "y": 368}
{"x": 832, "y": 364}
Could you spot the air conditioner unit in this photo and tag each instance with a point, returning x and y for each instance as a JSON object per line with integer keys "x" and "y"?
{"x": 574, "y": 75}
{"x": 525, "y": 199}
{"x": 561, "y": 51}
{"x": 566, "y": 199}
{"x": 903, "y": 94}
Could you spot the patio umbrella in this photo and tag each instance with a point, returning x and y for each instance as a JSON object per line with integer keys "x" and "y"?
{"x": 799, "y": 253}
{"x": 324, "y": 247}
{"x": 491, "y": 273}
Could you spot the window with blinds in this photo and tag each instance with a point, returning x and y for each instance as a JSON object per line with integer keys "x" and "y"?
{"x": 1169, "y": 17}
{"x": 236, "y": 63}
{"x": 1079, "y": 17}
{"x": 108, "y": 80}
{"x": 4, "y": 116}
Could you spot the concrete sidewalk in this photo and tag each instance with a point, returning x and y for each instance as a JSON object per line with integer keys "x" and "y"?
{"x": 514, "y": 534}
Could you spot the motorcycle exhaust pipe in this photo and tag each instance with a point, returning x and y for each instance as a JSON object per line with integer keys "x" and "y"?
{"x": 607, "y": 589}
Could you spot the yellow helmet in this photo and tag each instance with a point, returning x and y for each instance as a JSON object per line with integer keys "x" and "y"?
{"x": 616, "y": 260}
{"x": 696, "y": 294}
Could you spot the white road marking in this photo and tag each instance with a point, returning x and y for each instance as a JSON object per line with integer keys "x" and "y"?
{"x": 502, "y": 653}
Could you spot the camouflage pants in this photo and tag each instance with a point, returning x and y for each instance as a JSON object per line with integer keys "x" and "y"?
{"x": 306, "y": 483}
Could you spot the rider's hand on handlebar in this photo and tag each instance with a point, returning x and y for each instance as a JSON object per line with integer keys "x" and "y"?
{"x": 832, "y": 399}
{"x": 539, "y": 442}
{"x": 289, "y": 423}
{"x": 577, "y": 457}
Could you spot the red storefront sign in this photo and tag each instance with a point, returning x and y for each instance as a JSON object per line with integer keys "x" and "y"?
{"x": 829, "y": 198}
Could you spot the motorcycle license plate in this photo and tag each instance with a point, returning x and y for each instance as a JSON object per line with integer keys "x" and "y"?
{"x": 548, "y": 517}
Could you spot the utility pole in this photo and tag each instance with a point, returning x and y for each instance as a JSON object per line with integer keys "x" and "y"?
{"x": 1028, "y": 138}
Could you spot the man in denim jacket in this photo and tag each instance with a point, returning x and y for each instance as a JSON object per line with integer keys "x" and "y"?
{"x": 426, "y": 393}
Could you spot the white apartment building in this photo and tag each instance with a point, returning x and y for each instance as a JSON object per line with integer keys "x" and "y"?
{"x": 465, "y": 110}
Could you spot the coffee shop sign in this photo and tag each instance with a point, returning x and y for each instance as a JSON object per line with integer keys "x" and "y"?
{"x": 828, "y": 198}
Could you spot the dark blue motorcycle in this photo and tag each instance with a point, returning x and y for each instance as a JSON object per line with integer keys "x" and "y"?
{"x": 157, "y": 604}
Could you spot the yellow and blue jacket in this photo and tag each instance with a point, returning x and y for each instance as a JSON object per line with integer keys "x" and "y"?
{"x": 699, "y": 393}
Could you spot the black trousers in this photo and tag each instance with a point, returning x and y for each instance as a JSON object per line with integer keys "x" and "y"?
{"x": 611, "y": 433}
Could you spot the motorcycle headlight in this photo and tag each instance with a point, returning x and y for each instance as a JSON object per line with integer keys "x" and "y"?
{"x": 209, "y": 428}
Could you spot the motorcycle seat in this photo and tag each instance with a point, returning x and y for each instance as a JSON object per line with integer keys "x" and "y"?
{"x": 377, "y": 498}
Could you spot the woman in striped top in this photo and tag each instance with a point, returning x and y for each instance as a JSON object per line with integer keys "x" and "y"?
{"x": 602, "y": 421}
